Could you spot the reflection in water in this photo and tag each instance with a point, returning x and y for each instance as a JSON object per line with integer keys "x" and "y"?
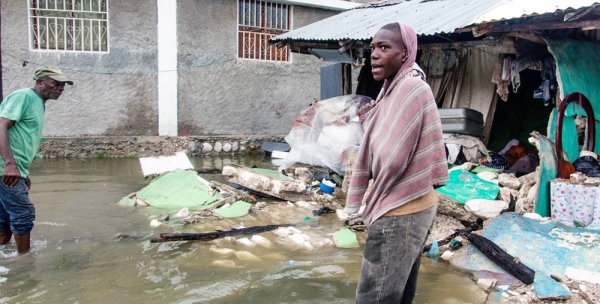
{"x": 86, "y": 249}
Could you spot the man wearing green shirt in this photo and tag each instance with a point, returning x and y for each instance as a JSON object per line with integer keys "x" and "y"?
{"x": 21, "y": 124}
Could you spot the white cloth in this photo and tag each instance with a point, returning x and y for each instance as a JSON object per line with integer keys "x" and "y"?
{"x": 453, "y": 150}
{"x": 472, "y": 147}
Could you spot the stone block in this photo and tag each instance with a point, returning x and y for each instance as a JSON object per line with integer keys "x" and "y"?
{"x": 227, "y": 147}
{"x": 218, "y": 146}
{"x": 206, "y": 147}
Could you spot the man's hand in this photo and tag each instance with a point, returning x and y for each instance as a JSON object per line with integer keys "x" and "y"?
{"x": 11, "y": 175}
{"x": 28, "y": 183}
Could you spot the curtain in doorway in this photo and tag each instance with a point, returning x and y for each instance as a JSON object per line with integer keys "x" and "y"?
{"x": 463, "y": 79}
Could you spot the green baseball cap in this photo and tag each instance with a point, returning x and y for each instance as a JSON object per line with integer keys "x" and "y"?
{"x": 51, "y": 72}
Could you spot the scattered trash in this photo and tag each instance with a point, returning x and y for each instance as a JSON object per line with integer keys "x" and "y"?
{"x": 237, "y": 209}
{"x": 162, "y": 164}
{"x": 434, "y": 251}
{"x": 454, "y": 245}
{"x": 155, "y": 223}
{"x": 327, "y": 186}
{"x": 344, "y": 238}
{"x": 175, "y": 190}
{"x": 324, "y": 131}
{"x": 322, "y": 210}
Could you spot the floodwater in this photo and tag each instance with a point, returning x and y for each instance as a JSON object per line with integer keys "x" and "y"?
{"x": 77, "y": 256}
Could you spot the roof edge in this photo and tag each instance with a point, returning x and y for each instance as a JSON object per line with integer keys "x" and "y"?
{"x": 334, "y": 5}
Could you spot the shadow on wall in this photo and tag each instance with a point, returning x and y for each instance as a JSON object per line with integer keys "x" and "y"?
{"x": 139, "y": 117}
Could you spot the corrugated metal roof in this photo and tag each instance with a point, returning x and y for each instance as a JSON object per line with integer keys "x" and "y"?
{"x": 337, "y": 5}
{"x": 510, "y": 9}
{"x": 428, "y": 17}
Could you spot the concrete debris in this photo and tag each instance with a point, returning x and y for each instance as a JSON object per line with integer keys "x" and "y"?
{"x": 183, "y": 213}
{"x": 298, "y": 192}
{"x": 247, "y": 256}
{"x": 262, "y": 241}
{"x": 464, "y": 167}
{"x": 509, "y": 180}
{"x": 224, "y": 263}
{"x": 524, "y": 205}
{"x": 308, "y": 206}
{"x": 533, "y": 193}
{"x": 530, "y": 179}
{"x": 524, "y": 191}
{"x": 506, "y": 192}
{"x": 486, "y": 284}
{"x": 303, "y": 174}
{"x": 582, "y": 275}
{"x": 225, "y": 252}
{"x": 246, "y": 242}
{"x": 447, "y": 255}
{"x": 443, "y": 226}
{"x": 488, "y": 176}
{"x": 454, "y": 209}
{"x": 486, "y": 208}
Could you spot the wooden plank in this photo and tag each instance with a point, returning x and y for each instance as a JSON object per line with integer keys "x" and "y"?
{"x": 502, "y": 46}
{"x": 209, "y": 236}
{"x": 533, "y": 37}
{"x": 496, "y": 254}
{"x": 588, "y": 25}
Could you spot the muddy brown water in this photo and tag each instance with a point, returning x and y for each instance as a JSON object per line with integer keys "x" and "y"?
{"x": 78, "y": 258}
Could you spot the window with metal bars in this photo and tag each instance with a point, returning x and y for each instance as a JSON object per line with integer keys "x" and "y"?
{"x": 258, "y": 21}
{"x": 68, "y": 25}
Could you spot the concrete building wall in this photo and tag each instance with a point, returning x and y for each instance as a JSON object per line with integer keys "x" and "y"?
{"x": 221, "y": 94}
{"x": 114, "y": 93}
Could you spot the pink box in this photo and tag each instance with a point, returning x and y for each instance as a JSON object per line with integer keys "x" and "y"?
{"x": 574, "y": 202}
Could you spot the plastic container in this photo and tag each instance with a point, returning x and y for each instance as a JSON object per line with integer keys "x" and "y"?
{"x": 327, "y": 186}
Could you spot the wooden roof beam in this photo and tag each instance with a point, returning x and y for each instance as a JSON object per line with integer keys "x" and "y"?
{"x": 487, "y": 28}
{"x": 503, "y": 46}
{"x": 533, "y": 37}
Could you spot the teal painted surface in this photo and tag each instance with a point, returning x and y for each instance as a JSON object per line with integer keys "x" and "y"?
{"x": 548, "y": 172}
{"x": 579, "y": 71}
{"x": 345, "y": 238}
{"x": 548, "y": 288}
{"x": 464, "y": 186}
{"x": 547, "y": 248}
{"x": 177, "y": 189}
{"x": 237, "y": 209}
{"x": 569, "y": 133}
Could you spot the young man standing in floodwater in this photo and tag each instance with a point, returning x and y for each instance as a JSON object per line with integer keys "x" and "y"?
{"x": 21, "y": 124}
{"x": 403, "y": 153}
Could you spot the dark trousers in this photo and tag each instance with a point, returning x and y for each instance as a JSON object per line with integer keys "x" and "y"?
{"x": 392, "y": 257}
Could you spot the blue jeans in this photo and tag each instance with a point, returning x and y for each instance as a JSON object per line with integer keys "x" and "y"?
{"x": 392, "y": 257}
{"x": 17, "y": 213}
